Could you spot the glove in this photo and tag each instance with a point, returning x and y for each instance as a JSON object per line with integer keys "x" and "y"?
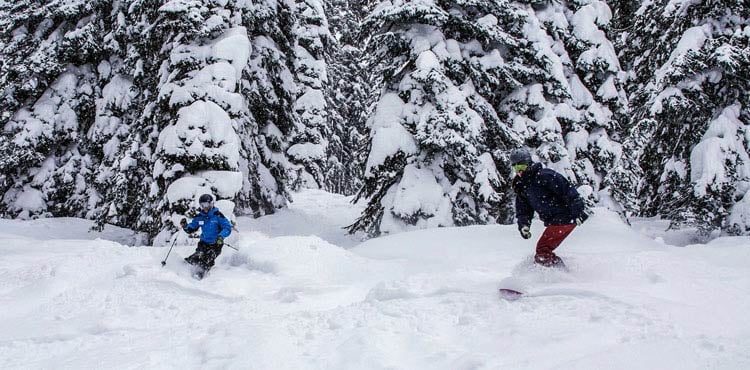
{"x": 581, "y": 219}
{"x": 183, "y": 223}
{"x": 220, "y": 241}
{"x": 525, "y": 232}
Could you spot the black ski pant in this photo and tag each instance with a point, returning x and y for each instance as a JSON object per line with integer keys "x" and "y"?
{"x": 204, "y": 255}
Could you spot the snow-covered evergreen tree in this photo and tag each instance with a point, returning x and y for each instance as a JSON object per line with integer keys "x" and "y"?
{"x": 126, "y": 111}
{"x": 129, "y": 120}
{"x": 49, "y": 88}
{"x": 435, "y": 137}
{"x": 223, "y": 137}
{"x": 350, "y": 94}
{"x": 269, "y": 86}
{"x": 198, "y": 149}
{"x": 38, "y": 39}
{"x": 688, "y": 141}
{"x": 497, "y": 75}
{"x": 309, "y": 148}
{"x": 52, "y": 128}
{"x": 588, "y": 102}
{"x": 623, "y": 17}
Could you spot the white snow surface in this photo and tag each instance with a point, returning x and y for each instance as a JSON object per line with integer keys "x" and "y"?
{"x": 295, "y": 297}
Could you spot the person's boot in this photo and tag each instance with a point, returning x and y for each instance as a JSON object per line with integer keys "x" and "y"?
{"x": 558, "y": 263}
{"x": 199, "y": 274}
{"x": 195, "y": 258}
{"x": 203, "y": 264}
{"x": 549, "y": 260}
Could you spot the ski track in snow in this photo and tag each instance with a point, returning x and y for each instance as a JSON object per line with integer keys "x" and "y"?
{"x": 290, "y": 299}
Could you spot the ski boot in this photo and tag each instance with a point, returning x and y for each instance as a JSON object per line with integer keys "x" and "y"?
{"x": 199, "y": 274}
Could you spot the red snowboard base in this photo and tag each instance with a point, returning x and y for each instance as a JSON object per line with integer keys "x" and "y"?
{"x": 510, "y": 294}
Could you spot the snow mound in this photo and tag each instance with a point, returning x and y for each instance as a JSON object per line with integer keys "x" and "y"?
{"x": 426, "y": 299}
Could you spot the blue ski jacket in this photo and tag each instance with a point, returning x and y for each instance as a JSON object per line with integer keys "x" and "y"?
{"x": 213, "y": 225}
{"x": 548, "y": 193}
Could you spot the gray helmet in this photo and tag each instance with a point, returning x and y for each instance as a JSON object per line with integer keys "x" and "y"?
{"x": 206, "y": 201}
{"x": 520, "y": 156}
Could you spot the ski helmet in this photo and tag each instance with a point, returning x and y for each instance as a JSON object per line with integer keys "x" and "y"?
{"x": 520, "y": 156}
{"x": 206, "y": 201}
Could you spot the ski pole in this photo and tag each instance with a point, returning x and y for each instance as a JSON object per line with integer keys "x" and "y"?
{"x": 230, "y": 246}
{"x": 170, "y": 250}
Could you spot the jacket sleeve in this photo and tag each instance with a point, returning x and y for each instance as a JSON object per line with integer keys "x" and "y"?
{"x": 192, "y": 227}
{"x": 226, "y": 227}
{"x": 524, "y": 212}
{"x": 567, "y": 194}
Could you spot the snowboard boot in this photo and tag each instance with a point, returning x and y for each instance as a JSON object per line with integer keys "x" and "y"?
{"x": 550, "y": 260}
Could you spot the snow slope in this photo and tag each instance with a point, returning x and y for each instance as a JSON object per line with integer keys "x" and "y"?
{"x": 416, "y": 300}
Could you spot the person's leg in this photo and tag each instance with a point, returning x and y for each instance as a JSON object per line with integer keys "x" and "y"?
{"x": 197, "y": 257}
{"x": 551, "y": 239}
{"x": 209, "y": 256}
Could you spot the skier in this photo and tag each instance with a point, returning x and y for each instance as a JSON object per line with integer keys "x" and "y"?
{"x": 552, "y": 196}
{"x": 215, "y": 227}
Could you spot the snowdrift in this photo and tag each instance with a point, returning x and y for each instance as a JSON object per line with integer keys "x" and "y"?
{"x": 418, "y": 300}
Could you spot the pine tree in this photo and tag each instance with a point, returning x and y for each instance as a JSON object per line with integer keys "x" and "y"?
{"x": 350, "y": 94}
{"x": 125, "y": 124}
{"x": 128, "y": 120}
{"x": 38, "y": 39}
{"x": 624, "y": 15}
{"x": 691, "y": 81}
{"x": 435, "y": 137}
{"x": 590, "y": 103}
{"x": 125, "y": 111}
{"x": 541, "y": 75}
{"x": 216, "y": 144}
{"x": 310, "y": 147}
{"x": 268, "y": 85}
{"x": 48, "y": 105}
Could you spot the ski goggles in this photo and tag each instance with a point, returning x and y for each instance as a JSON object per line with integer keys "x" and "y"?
{"x": 206, "y": 204}
{"x": 520, "y": 167}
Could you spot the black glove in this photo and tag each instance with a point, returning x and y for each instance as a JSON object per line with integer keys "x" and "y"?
{"x": 220, "y": 241}
{"x": 183, "y": 223}
{"x": 581, "y": 219}
{"x": 525, "y": 231}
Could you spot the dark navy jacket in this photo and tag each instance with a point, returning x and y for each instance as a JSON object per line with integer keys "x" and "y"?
{"x": 213, "y": 225}
{"x": 548, "y": 193}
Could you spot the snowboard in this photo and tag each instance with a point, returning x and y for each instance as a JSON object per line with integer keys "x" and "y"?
{"x": 527, "y": 277}
{"x": 512, "y": 288}
{"x": 510, "y": 294}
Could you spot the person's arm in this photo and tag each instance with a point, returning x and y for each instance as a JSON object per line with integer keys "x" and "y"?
{"x": 567, "y": 194}
{"x": 192, "y": 227}
{"x": 226, "y": 227}
{"x": 524, "y": 212}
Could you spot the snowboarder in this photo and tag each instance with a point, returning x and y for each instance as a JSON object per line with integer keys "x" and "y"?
{"x": 215, "y": 227}
{"x": 553, "y": 197}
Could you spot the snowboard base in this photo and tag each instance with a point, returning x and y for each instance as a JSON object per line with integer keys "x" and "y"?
{"x": 510, "y": 294}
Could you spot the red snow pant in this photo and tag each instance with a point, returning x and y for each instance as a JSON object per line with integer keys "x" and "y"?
{"x": 551, "y": 238}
